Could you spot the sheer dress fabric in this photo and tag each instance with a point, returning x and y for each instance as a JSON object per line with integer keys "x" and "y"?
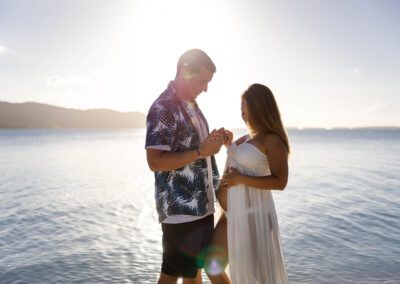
{"x": 255, "y": 251}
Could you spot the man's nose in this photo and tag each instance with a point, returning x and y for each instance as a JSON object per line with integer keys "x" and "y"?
{"x": 205, "y": 88}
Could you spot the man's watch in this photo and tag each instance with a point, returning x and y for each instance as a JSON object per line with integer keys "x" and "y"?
{"x": 198, "y": 154}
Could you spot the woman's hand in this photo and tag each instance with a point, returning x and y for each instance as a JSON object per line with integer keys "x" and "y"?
{"x": 231, "y": 178}
{"x": 229, "y": 139}
{"x": 224, "y": 136}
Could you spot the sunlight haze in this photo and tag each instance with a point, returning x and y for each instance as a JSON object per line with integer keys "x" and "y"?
{"x": 329, "y": 63}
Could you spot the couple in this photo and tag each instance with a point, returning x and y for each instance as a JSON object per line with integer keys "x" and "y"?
{"x": 180, "y": 151}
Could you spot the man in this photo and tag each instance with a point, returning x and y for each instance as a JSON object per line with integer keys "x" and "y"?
{"x": 180, "y": 152}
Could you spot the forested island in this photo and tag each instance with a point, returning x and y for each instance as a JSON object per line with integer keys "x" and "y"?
{"x": 33, "y": 115}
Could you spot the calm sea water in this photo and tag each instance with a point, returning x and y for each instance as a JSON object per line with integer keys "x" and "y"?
{"x": 77, "y": 206}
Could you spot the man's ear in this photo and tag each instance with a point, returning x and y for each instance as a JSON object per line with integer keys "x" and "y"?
{"x": 187, "y": 73}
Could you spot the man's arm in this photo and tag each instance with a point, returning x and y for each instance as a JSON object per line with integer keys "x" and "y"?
{"x": 159, "y": 160}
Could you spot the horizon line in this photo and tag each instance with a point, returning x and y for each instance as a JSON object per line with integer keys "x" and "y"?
{"x": 338, "y": 127}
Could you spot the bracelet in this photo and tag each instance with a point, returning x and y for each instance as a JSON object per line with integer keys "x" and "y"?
{"x": 198, "y": 154}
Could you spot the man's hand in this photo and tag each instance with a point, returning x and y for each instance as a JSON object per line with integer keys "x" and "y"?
{"x": 212, "y": 144}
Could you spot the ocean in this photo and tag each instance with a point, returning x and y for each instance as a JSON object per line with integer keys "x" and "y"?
{"x": 77, "y": 206}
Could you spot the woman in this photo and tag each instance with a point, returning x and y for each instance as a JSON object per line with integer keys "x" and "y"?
{"x": 256, "y": 164}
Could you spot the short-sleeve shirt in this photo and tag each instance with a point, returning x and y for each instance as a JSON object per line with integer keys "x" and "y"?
{"x": 171, "y": 127}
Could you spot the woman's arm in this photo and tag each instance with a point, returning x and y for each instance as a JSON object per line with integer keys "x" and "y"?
{"x": 277, "y": 157}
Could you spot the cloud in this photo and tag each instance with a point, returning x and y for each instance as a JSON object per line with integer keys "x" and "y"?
{"x": 4, "y": 49}
{"x": 79, "y": 79}
{"x": 354, "y": 71}
{"x": 57, "y": 80}
{"x": 54, "y": 80}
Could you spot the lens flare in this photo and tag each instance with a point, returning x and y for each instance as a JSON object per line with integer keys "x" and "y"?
{"x": 215, "y": 260}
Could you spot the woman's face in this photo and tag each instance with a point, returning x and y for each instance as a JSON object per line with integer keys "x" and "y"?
{"x": 244, "y": 111}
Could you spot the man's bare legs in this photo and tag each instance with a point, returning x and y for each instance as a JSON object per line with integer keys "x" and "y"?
{"x": 219, "y": 240}
{"x": 196, "y": 280}
{"x": 220, "y": 243}
{"x": 168, "y": 279}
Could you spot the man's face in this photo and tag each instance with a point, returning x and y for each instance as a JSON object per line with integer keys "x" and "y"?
{"x": 197, "y": 83}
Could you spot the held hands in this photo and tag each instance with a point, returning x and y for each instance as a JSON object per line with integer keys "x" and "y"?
{"x": 229, "y": 136}
{"x": 225, "y": 136}
{"x": 215, "y": 140}
{"x": 230, "y": 178}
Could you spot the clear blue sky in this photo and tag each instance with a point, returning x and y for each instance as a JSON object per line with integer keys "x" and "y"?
{"x": 329, "y": 63}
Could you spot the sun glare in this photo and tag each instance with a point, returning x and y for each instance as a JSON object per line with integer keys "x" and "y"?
{"x": 157, "y": 34}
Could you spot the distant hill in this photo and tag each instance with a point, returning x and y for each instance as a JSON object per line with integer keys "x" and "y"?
{"x": 36, "y": 115}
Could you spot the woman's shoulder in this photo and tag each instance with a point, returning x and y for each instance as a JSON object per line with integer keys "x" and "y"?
{"x": 271, "y": 141}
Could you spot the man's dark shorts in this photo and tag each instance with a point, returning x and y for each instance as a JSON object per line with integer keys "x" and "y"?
{"x": 183, "y": 245}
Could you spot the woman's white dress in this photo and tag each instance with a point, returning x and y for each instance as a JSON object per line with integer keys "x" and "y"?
{"x": 255, "y": 251}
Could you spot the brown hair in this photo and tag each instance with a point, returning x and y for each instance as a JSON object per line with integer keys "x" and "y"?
{"x": 194, "y": 59}
{"x": 263, "y": 112}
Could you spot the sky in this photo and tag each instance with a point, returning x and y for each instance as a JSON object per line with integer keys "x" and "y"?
{"x": 330, "y": 63}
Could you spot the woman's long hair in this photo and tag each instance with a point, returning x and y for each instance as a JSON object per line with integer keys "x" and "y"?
{"x": 263, "y": 112}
